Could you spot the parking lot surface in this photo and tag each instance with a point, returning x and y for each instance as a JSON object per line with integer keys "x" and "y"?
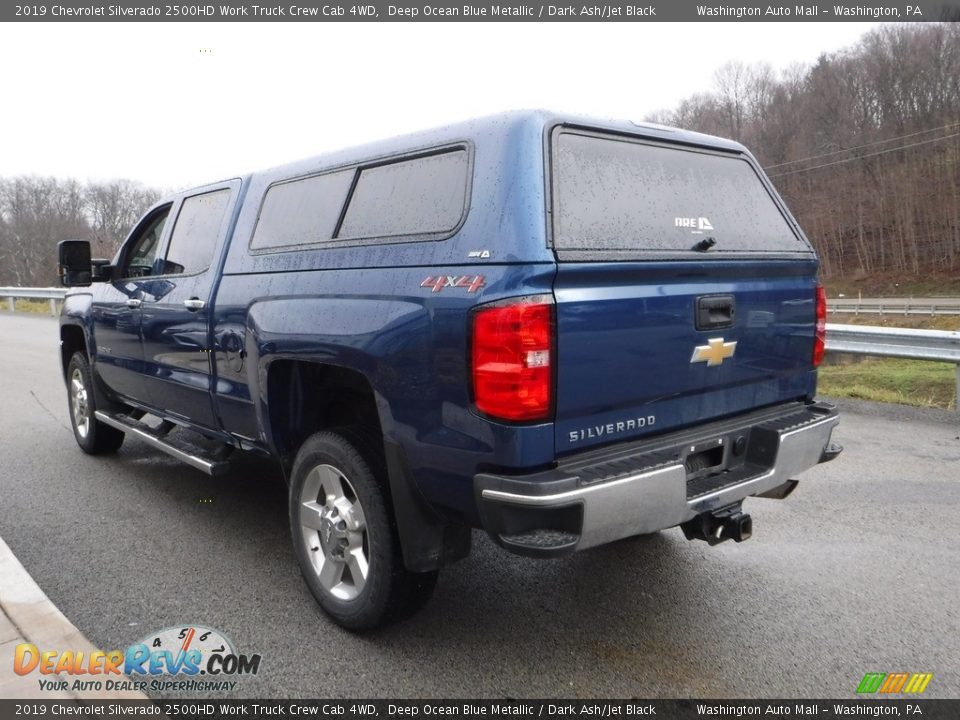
{"x": 858, "y": 571}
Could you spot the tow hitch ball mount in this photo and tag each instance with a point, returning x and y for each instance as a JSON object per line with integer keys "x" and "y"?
{"x": 729, "y": 523}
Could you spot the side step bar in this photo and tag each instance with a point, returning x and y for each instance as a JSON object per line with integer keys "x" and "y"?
{"x": 182, "y": 451}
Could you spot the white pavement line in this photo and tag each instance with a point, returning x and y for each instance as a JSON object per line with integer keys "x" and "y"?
{"x": 27, "y": 615}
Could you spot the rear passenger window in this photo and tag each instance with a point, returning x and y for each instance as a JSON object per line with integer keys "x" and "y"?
{"x": 196, "y": 233}
{"x": 420, "y": 196}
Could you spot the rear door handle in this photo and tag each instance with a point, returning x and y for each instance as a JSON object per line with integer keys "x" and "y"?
{"x": 194, "y": 304}
{"x": 134, "y": 303}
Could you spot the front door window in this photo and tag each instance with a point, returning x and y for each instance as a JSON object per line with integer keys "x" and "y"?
{"x": 142, "y": 255}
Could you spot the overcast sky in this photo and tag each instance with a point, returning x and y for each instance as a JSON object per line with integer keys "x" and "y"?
{"x": 175, "y": 105}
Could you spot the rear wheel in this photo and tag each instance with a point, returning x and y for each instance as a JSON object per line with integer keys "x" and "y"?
{"x": 344, "y": 536}
{"x": 92, "y": 436}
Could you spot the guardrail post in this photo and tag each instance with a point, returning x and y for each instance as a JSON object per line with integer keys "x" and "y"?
{"x": 51, "y": 294}
{"x": 956, "y": 405}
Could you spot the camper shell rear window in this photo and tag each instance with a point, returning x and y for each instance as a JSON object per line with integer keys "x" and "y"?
{"x": 627, "y": 196}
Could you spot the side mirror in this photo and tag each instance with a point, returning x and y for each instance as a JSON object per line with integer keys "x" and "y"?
{"x": 102, "y": 270}
{"x": 171, "y": 268}
{"x": 74, "y": 264}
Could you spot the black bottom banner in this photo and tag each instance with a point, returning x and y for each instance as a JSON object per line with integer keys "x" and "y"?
{"x": 362, "y": 709}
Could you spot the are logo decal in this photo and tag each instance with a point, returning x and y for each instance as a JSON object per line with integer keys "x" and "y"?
{"x": 696, "y": 225}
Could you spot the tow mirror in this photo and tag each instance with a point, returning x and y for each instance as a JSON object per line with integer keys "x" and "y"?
{"x": 74, "y": 264}
{"x": 102, "y": 270}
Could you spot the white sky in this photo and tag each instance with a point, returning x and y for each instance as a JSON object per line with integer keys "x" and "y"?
{"x": 175, "y": 105}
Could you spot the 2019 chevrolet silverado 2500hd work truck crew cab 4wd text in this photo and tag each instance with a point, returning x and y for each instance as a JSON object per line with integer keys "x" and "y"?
{"x": 560, "y": 330}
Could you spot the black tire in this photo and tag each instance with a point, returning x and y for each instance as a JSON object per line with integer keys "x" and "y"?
{"x": 93, "y": 437}
{"x": 333, "y": 541}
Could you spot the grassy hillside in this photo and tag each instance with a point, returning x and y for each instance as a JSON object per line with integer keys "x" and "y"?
{"x": 894, "y": 285}
{"x": 907, "y": 382}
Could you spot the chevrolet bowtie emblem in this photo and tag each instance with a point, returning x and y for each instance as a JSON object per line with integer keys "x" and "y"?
{"x": 714, "y": 352}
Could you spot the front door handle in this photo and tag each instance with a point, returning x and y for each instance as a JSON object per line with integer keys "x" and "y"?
{"x": 134, "y": 303}
{"x": 194, "y": 304}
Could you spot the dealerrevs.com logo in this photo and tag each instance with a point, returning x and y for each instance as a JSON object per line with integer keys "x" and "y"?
{"x": 175, "y": 659}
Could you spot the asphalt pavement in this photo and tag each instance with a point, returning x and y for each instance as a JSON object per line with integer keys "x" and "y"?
{"x": 857, "y": 572}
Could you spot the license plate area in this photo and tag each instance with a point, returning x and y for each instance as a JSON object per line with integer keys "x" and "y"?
{"x": 719, "y": 462}
{"x": 705, "y": 459}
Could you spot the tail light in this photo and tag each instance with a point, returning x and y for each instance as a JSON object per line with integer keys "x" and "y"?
{"x": 820, "y": 336}
{"x": 512, "y": 359}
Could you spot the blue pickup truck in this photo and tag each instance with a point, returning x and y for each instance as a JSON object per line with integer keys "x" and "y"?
{"x": 560, "y": 330}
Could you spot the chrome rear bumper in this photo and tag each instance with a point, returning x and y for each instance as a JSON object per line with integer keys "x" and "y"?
{"x": 583, "y": 503}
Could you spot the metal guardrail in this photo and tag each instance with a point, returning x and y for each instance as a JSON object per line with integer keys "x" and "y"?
{"x": 854, "y": 339}
{"x": 894, "y": 306}
{"x": 939, "y": 345}
{"x": 51, "y": 294}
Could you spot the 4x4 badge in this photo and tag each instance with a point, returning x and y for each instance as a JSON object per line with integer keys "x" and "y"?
{"x": 714, "y": 352}
{"x": 438, "y": 283}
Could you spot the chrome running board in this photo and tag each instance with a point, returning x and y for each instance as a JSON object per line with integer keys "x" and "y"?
{"x": 173, "y": 446}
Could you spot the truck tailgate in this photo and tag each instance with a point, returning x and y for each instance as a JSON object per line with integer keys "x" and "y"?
{"x": 627, "y": 345}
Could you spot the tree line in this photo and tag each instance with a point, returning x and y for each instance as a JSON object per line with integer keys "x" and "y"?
{"x": 864, "y": 145}
{"x": 38, "y": 212}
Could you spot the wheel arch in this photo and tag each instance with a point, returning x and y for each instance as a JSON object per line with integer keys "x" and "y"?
{"x": 72, "y": 339}
{"x": 304, "y": 397}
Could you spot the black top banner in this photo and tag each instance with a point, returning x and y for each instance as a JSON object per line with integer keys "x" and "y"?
{"x": 400, "y": 11}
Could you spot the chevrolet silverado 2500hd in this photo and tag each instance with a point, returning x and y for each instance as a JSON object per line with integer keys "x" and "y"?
{"x": 560, "y": 330}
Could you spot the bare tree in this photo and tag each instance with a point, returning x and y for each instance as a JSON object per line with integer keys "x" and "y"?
{"x": 114, "y": 207}
{"x": 36, "y": 213}
{"x": 864, "y": 145}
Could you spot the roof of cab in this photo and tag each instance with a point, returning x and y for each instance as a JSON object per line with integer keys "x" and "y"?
{"x": 534, "y": 122}
{"x": 530, "y": 121}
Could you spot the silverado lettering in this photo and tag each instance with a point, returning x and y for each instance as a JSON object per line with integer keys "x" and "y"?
{"x": 611, "y": 428}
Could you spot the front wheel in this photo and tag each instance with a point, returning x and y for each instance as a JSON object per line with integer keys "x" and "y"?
{"x": 343, "y": 534}
{"x": 93, "y": 436}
